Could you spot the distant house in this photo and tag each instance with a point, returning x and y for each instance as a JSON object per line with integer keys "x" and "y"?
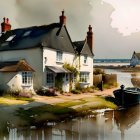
{"x": 135, "y": 60}
{"x": 33, "y": 57}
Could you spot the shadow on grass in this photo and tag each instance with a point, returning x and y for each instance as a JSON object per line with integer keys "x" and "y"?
{"x": 46, "y": 113}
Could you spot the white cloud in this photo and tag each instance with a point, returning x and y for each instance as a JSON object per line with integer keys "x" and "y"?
{"x": 126, "y": 17}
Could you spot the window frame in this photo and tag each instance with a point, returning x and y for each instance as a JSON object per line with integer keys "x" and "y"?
{"x": 84, "y": 77}
{"x": 52, "y": 79}
{"x": 27, "y": 78}
{"x": 85, "y": 59}
{"x": 59, "y": 56}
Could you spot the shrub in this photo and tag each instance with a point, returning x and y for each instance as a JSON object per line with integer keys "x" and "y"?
{"x": 26, "y": 95}
{"x": 78, "y": 86}
{"x": 47, "y": 92}
{"x": 98, "y": 71}
{"x": 88, "y": 89}
{"x": 20, "y": 93}
{"x": 76, "y": 91}
{"x": 94, "y": 87}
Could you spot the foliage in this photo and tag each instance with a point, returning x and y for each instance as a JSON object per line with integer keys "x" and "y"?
{"x": 19, "y": 93}
{"x": 59, "y": 82}
{"x": 76, "y": 91}
{"x": 47, "y": 92}
{"x": 98, "y": 71}
{"x": 70, "y": 68}
{"x": 78, "y": 86}
{"x": 110, "y": 85}
{"x": 88, "y": 89}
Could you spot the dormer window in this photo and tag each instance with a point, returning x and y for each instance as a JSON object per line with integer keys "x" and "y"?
{"x": 85, "y": 59}
{"x": 10, "y": 38}
{"x": 27, "y": 33}
{"x": 59, "y": 56}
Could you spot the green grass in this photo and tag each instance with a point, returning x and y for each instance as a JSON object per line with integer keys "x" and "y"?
{"x": 8, "y": 100}
{"x": 72, "y": 103}
{"x": 62, "y": 111}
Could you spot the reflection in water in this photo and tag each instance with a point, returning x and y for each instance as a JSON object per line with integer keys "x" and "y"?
{"x": 135, "y": 79}
{"x": 107, "y": 125}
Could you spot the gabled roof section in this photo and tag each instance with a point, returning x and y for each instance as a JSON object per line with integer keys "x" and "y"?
{"x": 54, "y": 36}
{"x": 137, "y": 54}
{"x": 82, "y": 47}
{"x": 15, "y": 66}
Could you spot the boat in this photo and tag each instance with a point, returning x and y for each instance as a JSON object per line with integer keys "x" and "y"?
{"x": 126, "y": 97}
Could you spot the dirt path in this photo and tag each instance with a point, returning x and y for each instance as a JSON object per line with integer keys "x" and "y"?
{"x": 68, "y": 96}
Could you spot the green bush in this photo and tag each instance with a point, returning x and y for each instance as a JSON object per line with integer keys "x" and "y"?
{"x": 88, "y": 89}
{"x": 76, "y": 91}
{"x": 78, "y": 86}
{"x": 47, "y": 92}
{"x": 98, "y": 71}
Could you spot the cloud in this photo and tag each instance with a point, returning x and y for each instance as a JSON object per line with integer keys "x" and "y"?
{"x": 38, "y": 12}
{"x": 125, "y": 17}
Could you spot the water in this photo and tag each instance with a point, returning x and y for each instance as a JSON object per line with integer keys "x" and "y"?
{"x": 107, "y": 125}
{"x": 104, "y": 125}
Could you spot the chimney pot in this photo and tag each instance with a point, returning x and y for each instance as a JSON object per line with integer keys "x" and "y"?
{"x": 63, "y": 18}
{"x": 5, "y": 26}
{"x": 7, "y": 20}
{"x": 4, "y": 19}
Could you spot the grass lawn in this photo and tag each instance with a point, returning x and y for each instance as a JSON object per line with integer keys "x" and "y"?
{"x": 14, "y": 100}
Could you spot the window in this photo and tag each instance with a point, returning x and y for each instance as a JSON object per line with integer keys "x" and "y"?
{"x": 27, "y": 78}
{"x": 10, "y": 38}
{"x": 50, "y": 79}
{"x": 85, "y": 59}
{"x": 26, "y": 33}
{"x": 59, "y": 56}
{"x": 45, "y": 60}
{"x": 84, "y": 77}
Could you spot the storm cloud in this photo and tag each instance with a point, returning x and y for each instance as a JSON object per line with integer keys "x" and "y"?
{"x": 103, "y": 15}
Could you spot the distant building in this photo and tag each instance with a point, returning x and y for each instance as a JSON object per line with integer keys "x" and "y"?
{"x": 135, "y": 60}
{"x": 33, "y": 57}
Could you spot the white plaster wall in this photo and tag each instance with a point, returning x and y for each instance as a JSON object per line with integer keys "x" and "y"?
{"x": 32, "y": 56}
{"x": 51, "y": 61}
{"x": 10, "y": 80}
{"x": 87, "y": 68}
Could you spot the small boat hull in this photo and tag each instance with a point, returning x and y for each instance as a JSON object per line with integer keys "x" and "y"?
{"x": 127, "y": 97}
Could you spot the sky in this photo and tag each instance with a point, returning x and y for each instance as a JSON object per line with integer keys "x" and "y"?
{"x": 116, "y": 23}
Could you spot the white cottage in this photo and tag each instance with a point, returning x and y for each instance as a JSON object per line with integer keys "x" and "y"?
{"x": 135, "y": 60}
{"x": 33, "y": 57}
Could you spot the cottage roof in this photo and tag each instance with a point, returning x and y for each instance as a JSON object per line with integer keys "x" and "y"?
{"x": 82, "y": 47}
{"x": 53, "y": 36}
{"x": 15, "y": 66}
{"x": 138, "y": 55}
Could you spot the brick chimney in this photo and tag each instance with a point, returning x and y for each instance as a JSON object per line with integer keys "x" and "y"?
{"x": 90, "y": 38}
{"x": 5, "y": 26}
{"x": 63, "y": 18}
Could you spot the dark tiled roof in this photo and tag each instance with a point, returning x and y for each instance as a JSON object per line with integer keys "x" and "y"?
{"x": 82, "y": 47}
{"x": 15, "y": 66}
{"x": 53, "y": 36}
{"x": 56, "y": 69}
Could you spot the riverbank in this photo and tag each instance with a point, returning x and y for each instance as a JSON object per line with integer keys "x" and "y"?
{"x": 44, "y": 109}
{"x": 123, "y": 68}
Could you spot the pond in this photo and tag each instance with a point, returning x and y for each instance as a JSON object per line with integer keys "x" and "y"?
{"x": 106, "y": 125}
